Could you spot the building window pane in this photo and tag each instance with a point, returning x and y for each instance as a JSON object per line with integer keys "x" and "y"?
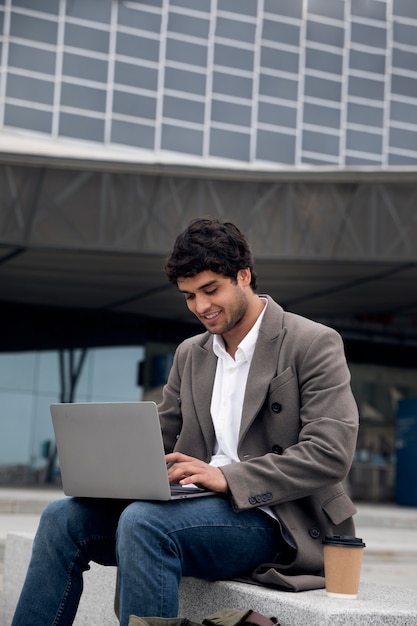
{"x": 83, "y": 66}
{"x": 32, "y": 89}
{"x": 28, "y": 27}
{"x": 277, "y": 114}
{"x": 232, "y": 85}
{"x": 80, "y": 127}
{"x": 186, "y": 52}
{"x": 134, "y": 104}
{"x": 324, "y": 33}
{"x": 403, "y": 112}
{"x": 276, "y": 147}
{"x": 130, "y": 134}
{"x": 281, "y": 33}
{"x": 32, "y": 59}
{"x": 83, "y": 97}
{"x": 369, "y": 9}
{"x": 246, "y": 7}
{"x": 404, "y": 86}
{"x": 405, "y": 8}
{"x": 405, "y": 33}
{"x": 180, "y": 139}
{"x": 361, "y": 114}
{"x": 229, "y": 144}
{"x": 183, "y": 109}
{"x": 363, "y": 142}
{"x": 96, "y": 11}
{"x": 405, "y": 60}
{"x": 28, "y": 117}
{"x": 203, "y": 5}
{"x": 323, "y": 88}
{"x": 135, "y": 18}
{"x": 278, "y": 87}
{"x": 230, "y": 113}
{"x": 366, "y": 88}
{"x": 185, "y": 81}
{"x": 135, "y": 76}
{"x": 187, "y": 25}
{"x": 233, "y": 57}
{"x": 334, "y": 9}
{"x": 324, "y": 61}
{"x": 232, "y": 29}
{"x": 369, "y": 35}
{"x": 320, "y": 142}
{"x": 367, "y": 62}
{"x": 88, "y": 38}
{"x": 137, "y": 47}
{"x": 289, "y": 8}
{"x": 280, "y": 60}
{"x": 404, "y": 139}
{"x": 321, "y": 115}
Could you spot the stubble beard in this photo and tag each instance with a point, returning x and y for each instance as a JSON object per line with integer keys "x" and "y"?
{"x": 237, "y": 313}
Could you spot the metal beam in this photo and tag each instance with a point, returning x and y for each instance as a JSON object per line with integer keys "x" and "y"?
{"x": 52, "y": 207}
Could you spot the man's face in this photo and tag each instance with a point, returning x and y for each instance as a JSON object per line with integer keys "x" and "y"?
{"x": 218, "y": 302}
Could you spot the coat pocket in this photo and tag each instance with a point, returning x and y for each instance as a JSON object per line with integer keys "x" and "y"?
{"x": 339, "y": 508}
{"x": 281, "y": 379}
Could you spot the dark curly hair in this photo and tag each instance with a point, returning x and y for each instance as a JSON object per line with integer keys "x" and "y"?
{"x": 209, "y": 244}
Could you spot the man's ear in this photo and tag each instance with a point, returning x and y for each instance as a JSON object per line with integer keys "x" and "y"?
{"x": 244, "y": 277}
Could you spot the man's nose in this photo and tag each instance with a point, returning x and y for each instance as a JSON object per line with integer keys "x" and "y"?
{"x": 202, "y": 304}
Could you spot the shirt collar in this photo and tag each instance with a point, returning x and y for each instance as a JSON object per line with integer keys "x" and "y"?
{"x": 246, "y": 348}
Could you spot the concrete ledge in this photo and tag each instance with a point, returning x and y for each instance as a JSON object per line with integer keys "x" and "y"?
{"x": 376, "y": 604}
{"x": 96, "y": 606}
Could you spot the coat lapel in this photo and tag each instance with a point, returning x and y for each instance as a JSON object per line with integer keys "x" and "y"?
{"x": 204, "y": 363}
{"x": 264, "y": 364}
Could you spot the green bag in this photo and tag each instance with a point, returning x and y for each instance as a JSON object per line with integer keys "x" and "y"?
{"x": 226, "y": 617}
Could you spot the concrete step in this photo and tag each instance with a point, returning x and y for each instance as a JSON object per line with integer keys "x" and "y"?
{"x": 22, "y": 500}
{"x": 20, "y": 509}
{"x": 389, "y": 531}
{"x": 377, "y": 604}
{"x": 386, "y": 516}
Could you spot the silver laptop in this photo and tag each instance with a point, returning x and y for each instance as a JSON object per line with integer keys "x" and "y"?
{"x": 114, "y": 450}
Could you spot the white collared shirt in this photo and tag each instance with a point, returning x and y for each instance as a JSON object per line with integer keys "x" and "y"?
{"x": 228, "y": 393}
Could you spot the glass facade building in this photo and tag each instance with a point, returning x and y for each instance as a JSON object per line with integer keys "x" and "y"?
{"x": 261, "y": 83}
{"x": 31, "y": 381}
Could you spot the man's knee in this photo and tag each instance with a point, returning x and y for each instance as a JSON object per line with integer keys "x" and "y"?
{"x": 140, "y": 519}
{"x": 137, "y": 513}
{"x": 55, "y": 513}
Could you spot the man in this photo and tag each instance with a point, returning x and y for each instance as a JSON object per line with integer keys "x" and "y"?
{"x": 258, "y": 409}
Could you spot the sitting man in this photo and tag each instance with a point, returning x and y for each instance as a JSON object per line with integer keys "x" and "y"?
{"x": 258, "y": 409}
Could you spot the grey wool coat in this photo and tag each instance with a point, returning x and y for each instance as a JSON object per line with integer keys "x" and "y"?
{"x": 297, "y": 435}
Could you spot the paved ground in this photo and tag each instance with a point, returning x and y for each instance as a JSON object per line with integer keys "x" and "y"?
{"x": 389, "y": 531}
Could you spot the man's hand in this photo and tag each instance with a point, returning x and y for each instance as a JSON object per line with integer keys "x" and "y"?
{"x": 187, "y": 470}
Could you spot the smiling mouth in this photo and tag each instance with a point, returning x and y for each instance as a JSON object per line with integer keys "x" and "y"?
{"x": 211, "y": 316}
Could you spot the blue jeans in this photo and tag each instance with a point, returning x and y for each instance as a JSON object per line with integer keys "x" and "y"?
{"x": 153, "y": 543}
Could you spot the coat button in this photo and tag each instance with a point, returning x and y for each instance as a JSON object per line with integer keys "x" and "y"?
{"x": 277, "y": 449}
{"x": 252, "y": 500}
{"x": 314, "y": 532}
{"x": 276, "y": 407}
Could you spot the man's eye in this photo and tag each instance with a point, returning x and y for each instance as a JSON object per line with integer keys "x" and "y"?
{"x": 210, "y": 293}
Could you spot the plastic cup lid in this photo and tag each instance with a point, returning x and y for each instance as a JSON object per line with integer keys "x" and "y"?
{"x": 344, "y": 540}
